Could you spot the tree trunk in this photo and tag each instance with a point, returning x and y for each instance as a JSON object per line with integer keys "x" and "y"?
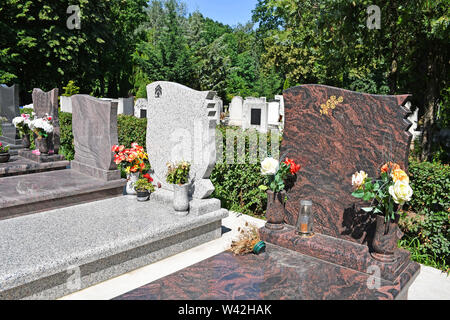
{"x": 430, "y": 105}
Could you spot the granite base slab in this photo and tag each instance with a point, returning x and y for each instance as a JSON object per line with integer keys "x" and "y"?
{"x": 196, "y": 206}
{"x": 339, "y": 251}
{"x": 277, "y": 274}
{"x": 31, "y": 193}
{"x": 18, "y": 165}
{"x": 51, "y": 254}
{"x": 28, "y": 154}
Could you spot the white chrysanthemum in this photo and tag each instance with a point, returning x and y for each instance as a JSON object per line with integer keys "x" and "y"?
{"x": 42, "y": 124}
{"x": 17, "y": 121}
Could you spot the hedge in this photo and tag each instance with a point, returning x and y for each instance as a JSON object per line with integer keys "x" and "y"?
{"x": 426, "y": 222}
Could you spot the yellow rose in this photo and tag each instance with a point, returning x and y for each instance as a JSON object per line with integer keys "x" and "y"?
{"x": 401, "y": 192}
{"x": 399, "y": 175}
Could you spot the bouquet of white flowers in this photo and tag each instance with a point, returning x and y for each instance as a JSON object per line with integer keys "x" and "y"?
{"x": 22, "y": 123}
{"x": 42, "y": 126}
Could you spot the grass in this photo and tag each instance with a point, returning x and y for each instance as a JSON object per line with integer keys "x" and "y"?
{"x": 414, "y": 246}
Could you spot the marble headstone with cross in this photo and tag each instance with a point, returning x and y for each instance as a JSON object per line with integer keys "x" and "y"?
{"x": 181, "y": 126}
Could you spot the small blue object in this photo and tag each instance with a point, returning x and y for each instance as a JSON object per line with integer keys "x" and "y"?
{"x": 259, "y": 247}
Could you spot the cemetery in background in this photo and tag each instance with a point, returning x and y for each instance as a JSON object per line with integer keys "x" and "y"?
{"x": 245, "y": 62}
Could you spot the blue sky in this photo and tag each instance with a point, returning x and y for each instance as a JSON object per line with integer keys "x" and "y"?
{"x": 229, "y": 12}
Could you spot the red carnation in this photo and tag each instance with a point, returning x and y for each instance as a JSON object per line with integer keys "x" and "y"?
{"x": 148, "y": 177}
{"x": 294, "y": 168}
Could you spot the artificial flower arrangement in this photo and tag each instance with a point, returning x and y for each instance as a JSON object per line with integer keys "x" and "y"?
{"x": 3, "y": 149}
{"x": 248, "y": 241}
{"x": 277, "y": 172}
{"x": 42, "y": 127}
{"x": 392, "y": 188}
{"x": 22, "y": 123}
{"x": 178, "y": 173}
{"x": 131, "y": 159}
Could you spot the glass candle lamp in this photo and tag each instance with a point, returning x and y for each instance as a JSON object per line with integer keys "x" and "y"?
{"x": 305, "y": 221}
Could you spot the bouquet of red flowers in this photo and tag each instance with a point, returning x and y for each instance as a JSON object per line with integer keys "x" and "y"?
{"x": 131, "y": 159}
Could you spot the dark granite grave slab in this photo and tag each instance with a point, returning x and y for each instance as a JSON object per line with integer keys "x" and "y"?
{"x": 36, "y": 192}
{"x": 19, "y": 165}
{"x": 277, "y": 274}
{"x": 28, "y": 154}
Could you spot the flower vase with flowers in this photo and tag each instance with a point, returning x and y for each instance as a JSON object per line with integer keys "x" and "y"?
{"x": 178, "y": 175}
{"x": 386, "y": 196}
{"x": 132, "y": 161}
{"x": 43, "y": 129}
{"x": 277, "y": 173}
{"x": 22, "y": 124}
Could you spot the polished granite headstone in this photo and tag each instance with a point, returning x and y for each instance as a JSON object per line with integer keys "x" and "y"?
{"x": 332, "y": 133}
{"x": 9, "y": 109}
{"x": 94, "y": 125}
{"x": 46, "y": 103}
{"x": 181, "y": 126}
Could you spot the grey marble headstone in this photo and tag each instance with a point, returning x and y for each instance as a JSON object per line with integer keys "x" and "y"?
{"x": 9, "y": 102}
{"x": 126, "y": 106}
{"x": 9, "y": 109}
{"x": 66, "y": 104}
{"x": 47, "y": 103}
{"x": 94, "y": 126}
{"x": 179, "y": 128}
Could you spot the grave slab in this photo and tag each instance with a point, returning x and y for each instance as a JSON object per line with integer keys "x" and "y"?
{"x": 277, "y": 274}
{"x": 21, "y": 165}
{"x": 31, "y": 193}
{"x": 99, "y": 240}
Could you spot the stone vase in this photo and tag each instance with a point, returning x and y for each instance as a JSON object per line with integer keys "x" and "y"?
{"x": 385, "y": 240}
{"x": 275, "y": 210}
{"x": 181, "y": 198}
{"x": 26, "y": 141}
{"x": 43, "y": 145}
{"x": 132, "y": 178}
{"x": 4, "y": 157}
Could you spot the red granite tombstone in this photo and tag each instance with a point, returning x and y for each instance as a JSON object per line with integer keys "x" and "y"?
{"x": 333, "y": 133}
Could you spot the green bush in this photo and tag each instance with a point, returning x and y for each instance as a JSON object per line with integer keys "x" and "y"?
{"x": 131, "y": 129}
{"x": 237, "y": 185}
{"x": 427, "y": 222}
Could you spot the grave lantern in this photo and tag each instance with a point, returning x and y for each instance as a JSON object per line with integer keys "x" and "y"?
{"x": 305, "y": 222}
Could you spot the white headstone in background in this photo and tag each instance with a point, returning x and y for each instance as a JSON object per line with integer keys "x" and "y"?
{"x": 273, "y": 112}
{"x": 236, "y": 111}
{"x": 65, "y": 104}
{"x": 140, "y": 108}
{"x": 254, "y": 113}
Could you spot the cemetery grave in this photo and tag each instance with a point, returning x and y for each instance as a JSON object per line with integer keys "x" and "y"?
{"x": 99, "y": 240}
{"x": 361, "y": 131}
